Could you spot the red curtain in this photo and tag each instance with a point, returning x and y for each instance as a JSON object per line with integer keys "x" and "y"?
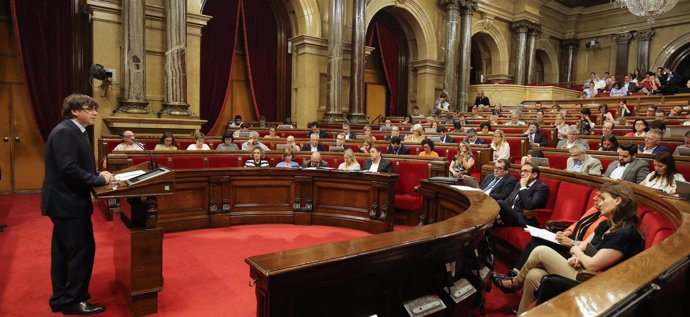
{"x": 261, "y": 45}
{"x": 218, "y": 41}
{"x": 43, "y": 32}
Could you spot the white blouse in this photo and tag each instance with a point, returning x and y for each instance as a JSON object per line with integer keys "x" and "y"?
{"x": 661, "y": 184}
{"x": 501, "y": 153}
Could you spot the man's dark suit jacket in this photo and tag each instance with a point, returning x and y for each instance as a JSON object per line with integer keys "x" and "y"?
{"x": 322, "y": 134}
{"x": 319, "y": 147}
{"x": 482, "y": 101}
{"x": 540, "y": 138}
{"x": 534, "y": 197}
{"x": 632, "y": 87}
{"x": 321, "y": 164}
{"x": 70, "y": 173}
{"x": 447, "y": 139}
{"x": 477, "y": 141}
{"x": 351, "y": 136}
{"x": 385, "y": 166}
{"x": 502, "y": 189}
{"x": 402, "y": 150}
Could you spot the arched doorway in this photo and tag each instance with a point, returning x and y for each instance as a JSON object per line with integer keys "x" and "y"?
{"x": 484, "y": 56}
{"x": 679, "y": 63}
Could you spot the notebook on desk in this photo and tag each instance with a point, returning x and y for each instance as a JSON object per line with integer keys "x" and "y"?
{"x": 679, "y": 131}
{"x": 683, "y": 151}
{"x": 540, "y": 161}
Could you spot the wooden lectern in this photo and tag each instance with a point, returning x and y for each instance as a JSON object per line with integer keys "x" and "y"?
{"x": 138, "y": 240}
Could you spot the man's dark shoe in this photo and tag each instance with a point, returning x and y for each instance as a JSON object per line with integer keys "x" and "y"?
{"x": 55, "y": 308}
{"x": 82, "y": 308}
{"x": 511, "y": 273}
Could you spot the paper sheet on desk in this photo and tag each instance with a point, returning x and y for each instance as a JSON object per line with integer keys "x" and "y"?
{"x": 125, "y": 176}
{"x": 461, "y": 187}
{"x": 542, "y": 234}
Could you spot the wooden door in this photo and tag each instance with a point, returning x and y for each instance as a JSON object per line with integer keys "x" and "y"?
{"x": 375, "y": 100}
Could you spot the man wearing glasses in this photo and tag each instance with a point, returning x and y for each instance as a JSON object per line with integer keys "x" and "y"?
{"x": 529, "y": 194}
{"x": 500, "y": 184}
{"x": 128, "y": 143}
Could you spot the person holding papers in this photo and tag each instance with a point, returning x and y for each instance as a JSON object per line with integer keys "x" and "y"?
{"x": 614, "y": 240}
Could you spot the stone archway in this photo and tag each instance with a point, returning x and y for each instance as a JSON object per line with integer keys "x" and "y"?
{"x": 670, "y": 50}
{"x": 492, "y": 40}
{"x": 414, "y": 17}
{"x": 548, "y": 56}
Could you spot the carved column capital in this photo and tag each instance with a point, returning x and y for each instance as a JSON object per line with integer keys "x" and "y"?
{"x": 520, "y": 26}
{"x": 534, "y": 29}
{"x": 622, "y": 38}
{"x": 450, "y": 5}
{"x": 468, "y": 6}
{"x": 644, "y": 35}
{"x": 570, "y": 43}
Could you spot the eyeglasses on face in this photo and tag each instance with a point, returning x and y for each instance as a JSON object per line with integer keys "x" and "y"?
{"x": 498, "y": 168}
{"x": 525, "y": 172}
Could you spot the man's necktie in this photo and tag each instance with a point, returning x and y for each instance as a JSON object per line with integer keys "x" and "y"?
{"x": 492, "y": 185}
{"x": 531, "y": 138}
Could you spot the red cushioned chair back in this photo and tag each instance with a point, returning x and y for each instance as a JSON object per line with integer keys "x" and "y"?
{"x": 160, "y": 160}
{"x": 222, "y": 161}
{"x": 185, "y": 144}
{"x": 593, "y": 144}
{"x": 182, "y": 162}
{"x": 150, "y": 145}
{"x": 570, "y": 201}
{"x": 684, "y": 169}
{"x": 642, "y": 210}
{"x": 590, "y": 199}
{"x": 515, "y": 149}
{"x": 557, "y": 160}
{"x": 452, "y": 152}
{"x": 553, "y": 191}
{"x": 655, "y": 228}
{"x": 273, "y": 159}
{"x": 605, "y": 161}
{"x": 410, "y": 175}
{"x": 383, "y": 148}
{"x": 332, "y": 161}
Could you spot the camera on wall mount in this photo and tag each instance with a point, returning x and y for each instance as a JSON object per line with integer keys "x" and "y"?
{"x": 104, "y": 75}
{"x": 592, "y": 43}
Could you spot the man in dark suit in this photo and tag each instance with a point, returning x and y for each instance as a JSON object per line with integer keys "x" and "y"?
{"x": 472, "y": 137}
{"x": 70, "y": 176}
{"x": 529, "y": 194}
{"x": 499, "y": 184}
{"x": 347, "y": 131}
{"x": 482, "y": 100}
{"x": 377, "y": 163}
{"x": 316, "y": 128}
{"x": 314, "y": 145}
{"x": 316, "y": 161}
{"x": 535, "y": 138}
{"x": 443, "y": 137}
{"x": 397, "y": 148}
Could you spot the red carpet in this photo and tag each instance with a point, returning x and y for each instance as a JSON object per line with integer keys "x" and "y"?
{"x": 204, "y": 270}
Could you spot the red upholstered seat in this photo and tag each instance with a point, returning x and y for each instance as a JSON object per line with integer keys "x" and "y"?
{"x": 182, "y": 162}
{"x": 593, "y": 144}
{"x": 150, "y": 145}
{"x": 515, "y": 236}
{"x": 332, "y": 161}
{"x": 655, "y": 228}
{"x": 160, "y": 160}
{"x": 410, "y": 175}
{"x": 605, "y": 161}
{"x": 553, "y": 191}
{"x": 569, "y": 204}
{"x": 590, "y": 199}
{"x": 185, "y": 144}
{"x": 515, "y": 149}
{"x": 684, "y": 169}
{"x": 222, "y": 161}
{"x": 557, "y": 161}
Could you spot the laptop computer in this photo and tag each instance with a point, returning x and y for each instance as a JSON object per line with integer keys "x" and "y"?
{"x": 244, "y": 135}
{"x": 683, "y": 151}
{"x": 679, "y": 131}
{"x": 335, "y": 148}
{"x": 285, "y": 126}
{"x": 429, "y": 130}
{"x": 682, "y": 188}
{"x": 282, "y": 147}
{"x": 434, "y": 138}
{"x": 541, "y": 161}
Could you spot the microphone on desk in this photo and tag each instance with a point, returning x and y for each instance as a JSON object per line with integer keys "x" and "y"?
{"x": 152, "y": 163}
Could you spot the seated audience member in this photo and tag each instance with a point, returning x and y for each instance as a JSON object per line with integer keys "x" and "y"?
{"x": 314, "y": 145}
{"x": 257, "y": 159}
{"x": 573, "y": 137}
{"x": 475, "y": 113}
{"x": 618, "y": 91}
{"x": 530, "y": 154}
{"x": 616, "y": 240}
{"x": 590, "y": 92}
{"x": 244, "y": 129}
{"x": 290, "y": 141}
{"x": 580, "y": 162}
{"x": 650, "y": 85}
{"x": 537, "y": 106}
{"x": 288, "y": 122}
{"x": 395, "y": 131}
{"x": 687, "y": 116}
{"x": 607, "y": 127}
{"x": 665, "y": 175}
{"x": 500, "y": 146}
{"x": 288, "y": 159}
{"x": 416, "y": 113}
{"x": 561, "y": 126}
{"x": 515, "y": 120}
{"x": 227, "y": 143}
{"x": 625, "y": 111}
{"x": 586, "y": 124}
{"x": 339, "y": 143}
{"x": 556, "y": 108}
{"x": 166, "y": 143}
{"x": 442, "y": 104}
{"x": 315, "y": 161}
{"x": 407, "y": 120}
{"x": 272, "y": 134}
{"x": 128, "y": 143}
{"x": 639, "y": 129}
{"x": 417, "y": 134}
{"x": 574, "y": 234}
{"x": 376, "y": 163}
{"x": 485, "y": 128}
{"x": 253, "y": 142}
{"x": 658, "y": 126}
{"x": 472, "y": 137}
{"x": 676, "y": 111}
{"x": 652, "y": 143}
{"x": 199, "y": 144}
{"x": 686, "y": 145}
{"x": 367, "y": 144}
{"x": 366, "y": 131}
{"x": 651, "y": 110}
{"x": 348, "y": 133}
{"x": 540, "y": 117}
{"x": 443, "y": 136}
{"x": 397, "y": 148}
{"x": 604, "y": 113}
{"x": 428, "y": 149}
{"x": 237, "y": 122}
{"x": 628, "y": 85}
{"x": 628, "y": 167}
{"x": 535, "y": 138}
{"x": 350, "y": 163}
{"x": 609, "y": 142}
{"x": 316, "y": 128}
{"x": 387, "y": 125}
{"x": 481, "y": 101}
{"x": 501, "y": 183}
{"x": 463, "y": 162}
{"x": 530, "y": 193}
{"x": 600, "y": 83}
{"x": 660, "y": 115}
{"x": 262, "y": 122}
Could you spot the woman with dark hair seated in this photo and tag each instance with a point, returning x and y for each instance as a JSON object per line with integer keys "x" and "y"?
{"x": 485, "y": 128}
{"x": 665, "y": 174}
{"x": 639, "y": 129}
{"x": 609, "y": 143}
{"x": 428, "y": 149}
{"x": 227, "y": 143}
{"x": 614, "y": 240}
{"x": 586, "y": 124}
{"x": 167, "y": 143}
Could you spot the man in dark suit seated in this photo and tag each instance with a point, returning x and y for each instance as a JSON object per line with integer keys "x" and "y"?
{"x": 314, "y": 144}
{"x": 443, "y": 137}
{"x": 316, "y": 128}
{"x": 482, "y": 100}
{"x": 315, "y": 161}
{"x": 499, "y": 184}
{"x": 529, "y": 194}
{"x": 377, "y": 163}
{"x": 535, "y": 138}
{"x": 347, "y": 131}
{"x": 397, "y": 148}
{"x": 395, "y": 131}
{"x": 70, "y": 176}
{"x": 472, "y": 137}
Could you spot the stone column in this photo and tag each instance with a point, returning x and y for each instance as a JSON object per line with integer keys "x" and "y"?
{"x": 520, "y": 54}
{"x": 622, "y": 41}
{"x": 467, "y": 7}
{"x": 133, "y": 60}
{"x": 450, "y": 71}
{"x": 334, "y": 110}
{"x": 357, "y": 64}
{"x": 533, "y": 31}
{"x": 643, "y": 37}
{"x": 569, "y": 46}
{"x": 175, "y": 103}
